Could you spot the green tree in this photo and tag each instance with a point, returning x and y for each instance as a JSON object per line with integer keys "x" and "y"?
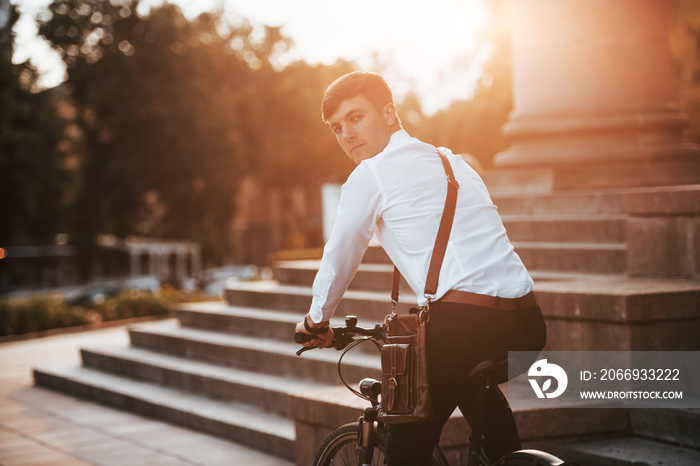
{"x": 162, "y": 103}
{"x": 295, "y": 148}
{"x": 31, "y": 192}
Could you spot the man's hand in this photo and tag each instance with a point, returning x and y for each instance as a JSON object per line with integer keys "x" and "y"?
{"x": 321, "y": 340}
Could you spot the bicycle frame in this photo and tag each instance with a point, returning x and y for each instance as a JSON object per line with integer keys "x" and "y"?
{"x": 366, "y": 449}
{"x": 370, "y": 433}
{"x": 370, "y": 390}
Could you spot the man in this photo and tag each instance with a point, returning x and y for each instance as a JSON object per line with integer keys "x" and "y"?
{"x": 398, "y": 191}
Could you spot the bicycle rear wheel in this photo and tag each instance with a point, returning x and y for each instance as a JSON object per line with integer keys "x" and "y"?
{"x": 340, "y": 448}
{"x": 532, "y": 458}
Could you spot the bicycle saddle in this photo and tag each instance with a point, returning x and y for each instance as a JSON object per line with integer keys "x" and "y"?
{"x": 496, "y": 371}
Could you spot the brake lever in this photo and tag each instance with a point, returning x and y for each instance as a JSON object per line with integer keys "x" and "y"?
{"x": 305, "y": 348}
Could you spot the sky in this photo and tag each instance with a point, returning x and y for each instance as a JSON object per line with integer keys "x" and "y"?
{"x": 428, "y": 47}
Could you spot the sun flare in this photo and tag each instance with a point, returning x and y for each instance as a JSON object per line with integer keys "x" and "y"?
{"x": 430, "y": 47}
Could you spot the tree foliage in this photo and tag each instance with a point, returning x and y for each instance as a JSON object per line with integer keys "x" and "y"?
{"x": 174, "y": 112}
{"x": 33, "y": 183}
{"x": 157, "y": 100}
{"x": 295, "y": 148}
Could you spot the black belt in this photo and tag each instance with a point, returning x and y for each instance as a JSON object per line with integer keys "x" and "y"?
{"x": 507, "y": 304}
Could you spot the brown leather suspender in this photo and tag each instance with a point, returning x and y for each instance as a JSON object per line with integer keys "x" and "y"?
{"x": 441, "y": 240}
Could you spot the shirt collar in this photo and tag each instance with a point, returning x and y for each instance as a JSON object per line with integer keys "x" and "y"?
{"x": 396, "y": 138}
{"x": 400, "y": 135}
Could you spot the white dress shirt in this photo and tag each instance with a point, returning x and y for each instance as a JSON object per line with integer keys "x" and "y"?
{"x": 399, "y": 194}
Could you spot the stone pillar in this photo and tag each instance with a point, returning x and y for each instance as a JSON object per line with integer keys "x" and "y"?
{"x": 134, "y": 263}
{"x": 592, "y": 95}
{"x": 164, "y": 272}
{"x": 181, "y": 264}
{"x": 196, "y": 258}
{"x": 153, "y": 263}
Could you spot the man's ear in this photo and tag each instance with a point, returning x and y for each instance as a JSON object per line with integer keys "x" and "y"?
{"x": 390, "y": 114}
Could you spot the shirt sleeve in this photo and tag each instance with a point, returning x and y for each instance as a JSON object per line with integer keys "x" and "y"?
{"x": 358, "y": 211}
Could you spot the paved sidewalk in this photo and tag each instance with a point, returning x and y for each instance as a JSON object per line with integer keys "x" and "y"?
{"x": 43, "y": 427}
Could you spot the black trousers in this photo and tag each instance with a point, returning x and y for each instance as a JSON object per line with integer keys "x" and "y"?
{"x": 459, "y": 337}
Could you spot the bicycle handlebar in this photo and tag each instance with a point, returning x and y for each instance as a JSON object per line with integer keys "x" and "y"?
{"x": 343, "y": 336}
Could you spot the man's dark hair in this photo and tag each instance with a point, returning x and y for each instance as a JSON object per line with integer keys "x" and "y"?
{"x": 370, "y": 85}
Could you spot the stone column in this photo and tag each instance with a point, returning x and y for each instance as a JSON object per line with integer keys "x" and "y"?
{"x": 165, "y": 273}
{"x": 181, "y": 264}
{"x": 592, "y": 95}
{"x": 153, "y": 263}
{"x": 134, "y": 263}
{"x": 196, "y": 258}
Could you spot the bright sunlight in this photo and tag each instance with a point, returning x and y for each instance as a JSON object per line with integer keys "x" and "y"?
{"x": 428, "y": 47}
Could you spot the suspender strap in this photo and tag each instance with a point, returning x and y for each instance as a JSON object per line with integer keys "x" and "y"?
{"x": 395, "y": 287}
{"x": 443, "y": 236}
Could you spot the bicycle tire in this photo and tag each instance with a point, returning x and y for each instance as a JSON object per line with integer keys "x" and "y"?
{"x": 340, "y": 448}
{"x": 532, "y": 458}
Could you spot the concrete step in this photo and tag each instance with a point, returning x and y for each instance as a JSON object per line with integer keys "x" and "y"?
{"x": 369, "y": 277}
{"x": 377, "y": 277}
{"x": 678, "y": 426}
{"x": 594, "y": 258}
{"x": 262, "y": 355}
{"x": 566, "y": 228}
{"x": 629, "y": 451}
{"x": 221, "y": 317}
{"x": 594, "y": 202}
{"x": 579, "y": 257}
{"x": 268, "y": 392}
{"x": 234, "y": 421}
{"x": 620, "y": 313}
{"x": 372, "y": 306}
{"x": 375, "y": 255}
{"x": 611, "y": 312}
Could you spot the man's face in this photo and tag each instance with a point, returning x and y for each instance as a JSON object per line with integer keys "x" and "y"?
{"x": 362, "y": 129}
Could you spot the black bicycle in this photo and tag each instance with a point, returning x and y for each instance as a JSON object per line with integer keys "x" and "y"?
{"x": 363, "y": 443}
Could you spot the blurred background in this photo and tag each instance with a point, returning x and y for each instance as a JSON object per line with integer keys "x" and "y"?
{"x": 146, "y": 144}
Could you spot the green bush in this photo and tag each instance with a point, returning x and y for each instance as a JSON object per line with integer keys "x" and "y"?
{"x": 36, "y": 313}
{"x": 130, "y": 304}
{"x": 47, "y": 311}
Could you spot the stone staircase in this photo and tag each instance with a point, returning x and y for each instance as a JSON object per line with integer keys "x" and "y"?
{"x": 654, "y": 437}
{"x": 229, "y": 368}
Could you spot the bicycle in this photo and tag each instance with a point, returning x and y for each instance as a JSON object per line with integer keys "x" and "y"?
{"x": 364, "y": 442}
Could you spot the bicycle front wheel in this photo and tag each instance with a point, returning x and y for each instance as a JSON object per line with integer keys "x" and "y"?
{"x": 341, "y": 448}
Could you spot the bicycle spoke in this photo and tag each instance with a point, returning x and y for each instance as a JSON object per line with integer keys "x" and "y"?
{"x": 347, "y": 453}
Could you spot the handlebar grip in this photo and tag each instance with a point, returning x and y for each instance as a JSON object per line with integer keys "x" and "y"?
{"x": 302, "y": 337}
